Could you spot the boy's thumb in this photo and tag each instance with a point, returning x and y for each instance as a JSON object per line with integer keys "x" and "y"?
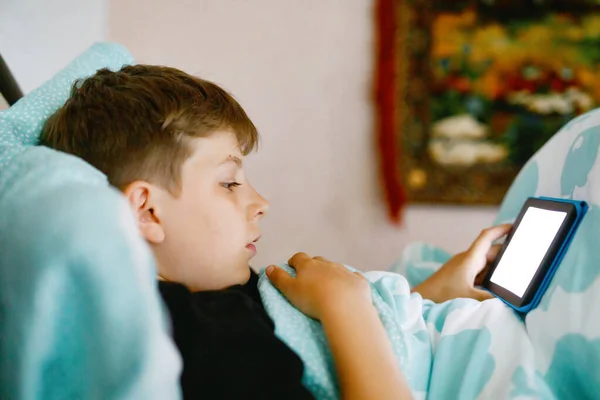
{"x": 279, "y": 278}
{"x": 481, "y": 295}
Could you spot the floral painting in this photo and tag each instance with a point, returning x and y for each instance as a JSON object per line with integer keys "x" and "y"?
{"x": 483, "y": 85}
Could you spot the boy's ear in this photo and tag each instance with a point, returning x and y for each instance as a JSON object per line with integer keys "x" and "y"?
{"x": 143, "y": 199}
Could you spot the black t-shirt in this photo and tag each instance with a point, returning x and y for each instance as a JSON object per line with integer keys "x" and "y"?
{"x": 228, "y": 345}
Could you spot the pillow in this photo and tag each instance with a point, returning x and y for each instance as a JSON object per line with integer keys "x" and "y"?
{"x": 565, "y": 328}
{"x": 80, "y": 316}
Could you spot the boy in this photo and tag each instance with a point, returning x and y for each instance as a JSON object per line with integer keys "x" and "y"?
{"x": 174, "y": 145}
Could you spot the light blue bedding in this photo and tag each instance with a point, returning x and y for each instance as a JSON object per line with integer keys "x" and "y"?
{"x": 80, "y": 317}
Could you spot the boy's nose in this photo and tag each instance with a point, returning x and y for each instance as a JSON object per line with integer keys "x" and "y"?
{"x": 257, "y": 206}
{"x": 262, "y": 206}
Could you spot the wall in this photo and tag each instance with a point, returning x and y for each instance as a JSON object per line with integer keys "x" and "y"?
{"x": 38, "y": 37}
{"x": 303, "y": 72}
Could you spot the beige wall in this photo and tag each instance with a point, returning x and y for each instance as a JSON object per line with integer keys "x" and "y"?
{"x": 38, "y": 37}
{"x": 302, "y": 69}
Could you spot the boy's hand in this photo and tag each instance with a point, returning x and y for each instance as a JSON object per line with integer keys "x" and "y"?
{"x": 320, "y": 286}
{"x": 458, "y": 277}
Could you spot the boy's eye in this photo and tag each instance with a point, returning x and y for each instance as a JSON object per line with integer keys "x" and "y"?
{"x": 230, "y": 185}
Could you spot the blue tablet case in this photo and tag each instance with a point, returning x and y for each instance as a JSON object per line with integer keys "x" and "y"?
{"x": 581, "y": 208}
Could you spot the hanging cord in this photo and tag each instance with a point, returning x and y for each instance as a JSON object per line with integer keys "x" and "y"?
{"x": 9, "y": 88}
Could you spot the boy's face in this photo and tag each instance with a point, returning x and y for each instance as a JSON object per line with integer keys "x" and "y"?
{"x": 210, "y": 230}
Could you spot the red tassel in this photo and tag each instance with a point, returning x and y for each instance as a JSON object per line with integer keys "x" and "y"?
{"x": 385, "y": 87}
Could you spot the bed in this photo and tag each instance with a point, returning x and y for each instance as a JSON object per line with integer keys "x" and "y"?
{"x": 70, "y": 329}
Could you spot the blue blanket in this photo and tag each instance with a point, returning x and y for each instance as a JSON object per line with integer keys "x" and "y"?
{"x": 80, "y": 317}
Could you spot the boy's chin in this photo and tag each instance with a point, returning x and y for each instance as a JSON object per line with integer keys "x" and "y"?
{"x": 241, "y": 275}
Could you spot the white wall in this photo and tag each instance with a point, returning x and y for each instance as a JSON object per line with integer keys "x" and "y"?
{"x": 302, "y": 69}
{"x": 39, "y": 37}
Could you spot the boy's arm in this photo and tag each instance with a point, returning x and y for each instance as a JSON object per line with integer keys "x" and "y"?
{"x": 363, "y": 355}
{"x": 341, "y": 300}
{"x": 457, "y": 277}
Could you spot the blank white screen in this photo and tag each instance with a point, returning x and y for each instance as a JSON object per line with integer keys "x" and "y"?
{"x": 527, "y": 249}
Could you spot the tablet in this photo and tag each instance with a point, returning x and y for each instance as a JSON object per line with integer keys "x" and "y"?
{"x": 533, "y": 249}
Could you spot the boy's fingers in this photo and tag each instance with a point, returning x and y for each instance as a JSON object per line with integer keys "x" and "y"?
{"x": 480, "y": 295}
{"x": 319, "y": 258}
{"x": 481, "y": 275}
{"x": 493, "y": 252}
{"x": 298, "y": 260}
{"x": 488, "y": 236}
{"x": 361, "y": 275}
{"x": 280, "y": 279}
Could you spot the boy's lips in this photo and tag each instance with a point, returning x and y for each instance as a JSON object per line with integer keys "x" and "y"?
{"x": 251, "y": 246}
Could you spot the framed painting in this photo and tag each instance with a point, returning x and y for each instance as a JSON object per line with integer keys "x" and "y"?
{"x": 481, "y": 85}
